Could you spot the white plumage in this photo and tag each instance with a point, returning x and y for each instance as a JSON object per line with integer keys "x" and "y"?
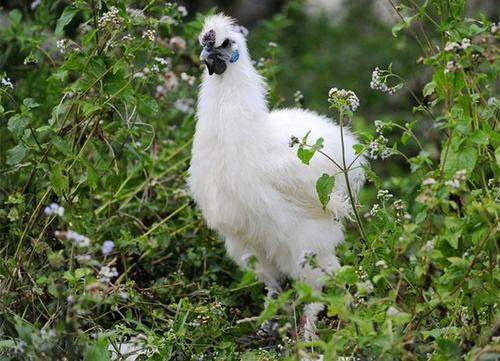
{"x": 249, "y": 183}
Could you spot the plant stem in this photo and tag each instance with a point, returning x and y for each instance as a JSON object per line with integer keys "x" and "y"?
{"x": 346, "y": 175}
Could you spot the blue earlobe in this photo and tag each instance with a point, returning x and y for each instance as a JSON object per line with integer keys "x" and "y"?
{"x": 234, "y": 56}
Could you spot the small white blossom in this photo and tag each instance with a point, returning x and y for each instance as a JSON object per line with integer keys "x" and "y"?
{"x": 110, "y": 18}
{"x": 375, "y": 209}
{"x": 393, "y": 311}
{"x": 465, "y": 43}
{"x": 428, "y": 182}
{"x": 298, "y": 96}
{"x": 177, "y": 43}
{"x": 452, "y": 66}
{"x": 78, "y": 239}
{"x": 379, "y": 81}
{"x": 272, "y": 44}
{"x": 149, "y": 34}
{"x": 182, "y": 10}
{"x": 384, "y": 194}
{"x": 7, "y": 82}
{"x": 494, "y": 28}
{"x": 54, "y": 209}
{"x": 398, "y": 205}
{"x": 184, "y": 105}
{"x": 35, "y": 4}
{"x": 188, "y": 78}
{"x": 163, "y": 61}
{"x": 381, "y": 263}
{"x": 378, "y": 147}
{"x": 61, "y": 45}
{"x": 107, "y": 247}
{"x": 345, "y": 95}
{"x": 429, "y": 246}
{"x": 453, "y": 183}
{"x": 83, "y": 258}
{"x": 106, "y": 273}
{"x": 451, "y": 46}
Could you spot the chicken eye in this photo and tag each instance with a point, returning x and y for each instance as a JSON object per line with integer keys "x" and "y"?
{"x": 225, "y": 43}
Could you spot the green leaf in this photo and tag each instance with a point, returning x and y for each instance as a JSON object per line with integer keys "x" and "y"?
{"x": 17, "y": 124}
{"x": 358, "y": 148}
{"x": 324, "y": 187}
{"x": 306, "y": 154}
{"x": 429, "y": 88}
{"x": 59, "y": 180}
{"x": 30, "y": 103}
{"x": 66, "y": 17}
{"x": 16, "y": 155}
{"x": 462, "y": 159}
{"x": 97, "y": 352}
{"x": 479, "y": 137}
{"x": 346, "y": 274}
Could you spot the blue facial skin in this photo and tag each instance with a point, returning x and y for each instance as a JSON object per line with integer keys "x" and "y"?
{"x": 234, "y": 56}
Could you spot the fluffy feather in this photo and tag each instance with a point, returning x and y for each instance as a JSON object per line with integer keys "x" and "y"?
{"x": 250, "y": 185}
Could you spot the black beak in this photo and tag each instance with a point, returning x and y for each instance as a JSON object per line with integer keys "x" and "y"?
{"x": 214, "y": 62}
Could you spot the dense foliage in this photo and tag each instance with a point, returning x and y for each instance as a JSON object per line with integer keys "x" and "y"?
{"x": 102, "y": 249}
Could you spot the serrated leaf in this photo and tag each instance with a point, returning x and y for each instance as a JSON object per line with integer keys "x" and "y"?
{"x": 479, "y": 137}
{"x": 30, "y": 103}
{"x": 346, "y": 274}
{"x": 17, "y": 124}
{"x": 324, "y": 187}
{"x": 462, "y": 159}
{"x": 429, "y": 88}
{"x": 58, "y": 180}
{"x": 16, "y": 155}
{"x": 65, "y": 18}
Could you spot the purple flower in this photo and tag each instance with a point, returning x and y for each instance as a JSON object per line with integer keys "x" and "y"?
{"x": 107, "y": 247}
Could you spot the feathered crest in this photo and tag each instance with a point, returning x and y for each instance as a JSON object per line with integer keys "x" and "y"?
{"x": 217, "y": 28}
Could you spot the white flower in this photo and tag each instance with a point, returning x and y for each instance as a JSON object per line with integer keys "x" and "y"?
{"x": 453, "y": 183}
{"x": 54, "y": 209}
{"x": 451, "y": 45}
{"x": 107, "y": 247}
{"x": 83, "y": 258}
{"x": 182, "y": 10}
{"x": 106, "y": 273}
{"x": 494, "y": 28}
{"x": 379, "y": 81}
{"x": 374, "y": 209}
{"x": 163, "y": 61}
{"x": 465, "y": 43}
{"x": 35, "y": 4}
{"x": 135, "y": 12}
{"x": 298, "y": 96}
{"x": 460, "y": 175}
{"x": 188, "y": 78}
{"x": 110, "y": 18}
{"x": 178, "y": 43}
{"x": 384, "y": 194}
{"x": 272, "y": 44}
{"x": 149, "y": 34}
{"x": 393, "y": 311}
{"x": 381, "y": 263}
{"x": 346, "y": 95}
{"x": 61, "y": 45}
{"x": 452, "y": 66}
{"x": 304, "y": 258}
{"x": 7, "y": 82}
{"x": 184, "y": 105}
{"x": 398, "y": 205}
{"x": 378, "y": 148}
{"x": 429, "y": 246}
{"x": 78, "y": 239}
{"x": 428, "y": 182}
{"x": 366, "y": 287}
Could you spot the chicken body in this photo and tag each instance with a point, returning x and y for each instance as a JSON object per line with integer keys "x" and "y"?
{"x": 249, "y": 183}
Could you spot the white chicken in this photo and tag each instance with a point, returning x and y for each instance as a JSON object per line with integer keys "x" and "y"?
{"x": 249, "y": 183}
